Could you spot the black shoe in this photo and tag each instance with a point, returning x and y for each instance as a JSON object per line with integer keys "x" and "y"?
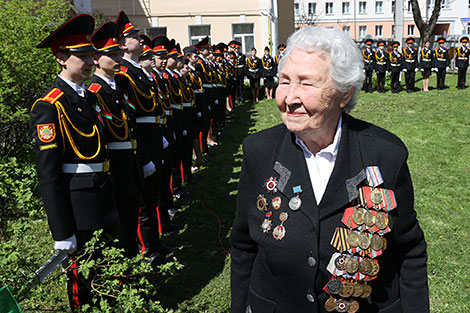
{"x": 156, "y": 259}
{"x": 166, "y": 251}
{"x": 172, "y": 212}
{"x": 171, "y": 229}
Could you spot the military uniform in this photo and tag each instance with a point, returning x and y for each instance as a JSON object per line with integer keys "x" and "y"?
{"x": 368, "y": 57}
{"x": 380, "y": 66}
{"x": 462, "y": 57}
{"x": 278, "y": 57}
{"x": 410, "y": 65}
{"x": 254, "y": 70}
{"x": 426, "y": 61}
{"x": 395, "y": 62}
{"x": 72, "y": 158}
{"x": 120, "y": 127}
{"x": 441, "y": 62}
{"x": 269, "y": 70}
{"x": 240, "y": 64}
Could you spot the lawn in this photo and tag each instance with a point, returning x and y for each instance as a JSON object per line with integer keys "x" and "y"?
{"x": 435, "y": 128}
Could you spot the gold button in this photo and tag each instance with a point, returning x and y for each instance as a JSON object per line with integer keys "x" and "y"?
{"x": 117, "y": 101}
{"x": 135, "y": 152}
{"x": 106, "y": 146}
{"x": 79, "y": 109}
{"x": 132, "y": 129}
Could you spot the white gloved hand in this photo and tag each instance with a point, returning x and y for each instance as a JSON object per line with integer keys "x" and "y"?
{"x": 68, "y": 245}
{"x": 216, "y": 101}
{"x": 149, "y": 169}
{"x": 416, "y": 69}
{"x": 434, "y": 69}
{"x": 174, "y": 136}
{"x": 165, "y": 143}
{"x": 199, "y": 114}
{"x": 364, "y": 71}
{"x": 185, "y": 133}
{"x": 405, "y": 70}
{"x": 209, "y": 108}
{"x": 447, "y": 68}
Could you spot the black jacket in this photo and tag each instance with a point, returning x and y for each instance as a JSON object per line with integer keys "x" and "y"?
{"x": 368, "y": 57}
{"x": 282, "y": 275}
{"x": 269, "y": 66}
{"x": 253, "y": 67}
{"x": 410, "y": 58}
{"x": 73, "y": 202}
{"x": 425, "y": 58}
{"x": 461, "y": 57}
{"x": 380, "y": 62}
{"x": 441, "y": 57}
{"x": 395, "y": 61}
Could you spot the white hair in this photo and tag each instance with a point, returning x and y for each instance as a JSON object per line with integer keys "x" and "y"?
{"x": 346, "y": 63}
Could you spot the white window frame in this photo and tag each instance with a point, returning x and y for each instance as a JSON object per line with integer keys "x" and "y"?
{"x": 329, "y": 8}
{"x": 242, "y": 37}
{"x": 381, "y": 7}
{"x": 347, "y": 29}
{"x": 379, "y": 30}
{"x": 362, "y": 27}
{"x": 199, "y": 37}
{"x": 362, "y": 4}
{"x": 346, "y": 4}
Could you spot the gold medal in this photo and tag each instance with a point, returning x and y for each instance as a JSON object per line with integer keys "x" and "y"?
{"x": 353, "y": 306}
{"x": 365, "y": 266}
{"x": 376, "y": 196}
{"x": 348, "y": 289}
{"x": 342, "y": 305}
{"x": 266, "y": 225}
{"x": 358, "y": 216}
{"x": 330, "y": 304}
{"x": 381, "y": 220}
{"x": 358, "y": 289}
{"x": 367, "y": 291}
{"x": 340, "y": 262}
{"x": 352, "y": 265}
{"x": 353, "y": 239}
{"x": 283, "y": 216}
{"x": 369, "y": 218}
{"x": 376, "y": 243}
{"x": 385, "y": 244}
{"x": 375, "y": 269}
{"x": 261, "y": 203}
{"x": 364, "y": 241}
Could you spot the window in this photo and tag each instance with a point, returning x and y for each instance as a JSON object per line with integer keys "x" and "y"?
{"x": 155, "y": 31}
{"x": 296, "y": 9}
{"x": 362, "y": 7}
{"x": 378, "y": 6}
{"x": 244, "y": 33}
{"x": 468, "y": 29}
{"x": 198, "y": 32}
{"x": 378, "y": 30}
{"x": 410, "y": 7}
{"x": 362, "y": 31}
{"x": 411, "y": 30}
{"x": 345, "y": 7}
{"x": 393, "y": 30}
{"x": 393, "y": 6}
{"x": 444, "y": 4}
{"x": 312, "y": 8}
{"x": 329, "y": 8}
{"x": 347, "y": 29}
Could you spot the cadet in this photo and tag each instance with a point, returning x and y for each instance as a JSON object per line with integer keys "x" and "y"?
{"x": 241, "y": 71}
{"x": 410, "y": 58}
{"x": 441, "y": 63}
{"x": 140, "y": 92}
{"x": 395, "y": 64}
{"x": 425, "y": 59}
{"x": 71, "y": 155}
{"x": 120, "y": 126}
{"x": 253, "y": 72}
{"x": 380, "y": 65}
{"x": 461, "y": 61}
{"x": 280, "y": 49}
{"x": 368, "y": 57}
{"x": 269, "y": 71}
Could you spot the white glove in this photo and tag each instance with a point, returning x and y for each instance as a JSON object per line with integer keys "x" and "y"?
{"x": 416, "y": 69}
{"x": 216, "y": 101}
{"x": 165, "y": 143}
{"x": 388, "y": 72}
{"x": 185, "y": 133}
{"x": 68, "y": 245}
{"x": 422, "y": 69}
{"x": 434, "y": 69}
{"x": 199, "y": 114}
{"x": 174, "y": 136}
{"x": 405, "y": 70}
{"x": 447, "y": 68}
{"x": 209, "y": 108}
{"x": 149, "y": 169}
{"x": 364, "y": 71}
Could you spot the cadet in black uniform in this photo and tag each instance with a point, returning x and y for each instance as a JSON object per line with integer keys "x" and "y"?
{"x": 141, "y": 93}
{"x": 253, "y": 72}
{"x": 425, "y": 59}
{"x": 380, "y": 65}
{"x": 461, "y": 61}
{"x": 269, "y": 71}
{"x": 241, "y": 72}
{"x": 395, "y": 64}
{"x": 125, "y": 163}
{"x": 410, "y": 59}
{"x": 441, "y": 63}
{"x": 280, "y": 49}
{"x": 368, "y": 56}
{"x": 71, "y": 151}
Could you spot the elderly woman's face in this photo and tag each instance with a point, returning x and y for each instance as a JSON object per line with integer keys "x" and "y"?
{"x": 306, "y": 96}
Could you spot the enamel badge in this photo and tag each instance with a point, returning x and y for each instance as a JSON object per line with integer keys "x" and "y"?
{"x": 46, "y": 132}
{"x": 261, "y": 203}
{"x": 271, "y": 185}
{"x": 276, "y": 203}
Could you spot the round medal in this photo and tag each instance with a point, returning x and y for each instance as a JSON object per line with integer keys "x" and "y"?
{"x": 353, "y": 306}
{"x": 365, "y": 266}
{"x": 375, "y": 269}
{"x": 352, "y": 265}
{"x": 295, "y": 203}
{"x": 279, "y": 232}
{"x": 342, "y": 305}
{"x": 376, "y": 243}
{"x": 334, "y": 286}
{"x": 340, "y": 261}
{"x": 353, "y": 239}
{"x": 348, "y": 289}
{"x": 367, "y": 291}
{"x": 364, "y": 241}
{"x": 358, "y": 289}
{"x": 358, "y": 216}
{"x": 381, "y": 220}
{"x": 330, "y": 304}
{"x": 369, "y": 218}
{"x": 376, "y": 196}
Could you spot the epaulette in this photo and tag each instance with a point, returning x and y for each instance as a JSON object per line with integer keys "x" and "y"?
{"x": 199, "y": 61}
{"x": 53, "y": 96}
{"x": 94, "y": 88}
{"x": 123, "y": 70}
{"x": 176, "y": 76}
{"x": 165, "y": 75}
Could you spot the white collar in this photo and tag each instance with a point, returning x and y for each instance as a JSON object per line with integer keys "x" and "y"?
{"x": 191, "y": 67}
{"x": 134, "y": 63}
{"x": 110, "y": 82}
{"x": 332, "y": 149}
{"x": 149, "y": 76}
{"x": 79, "y": 89}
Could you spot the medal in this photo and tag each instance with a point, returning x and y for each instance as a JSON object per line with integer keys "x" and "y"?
{"x": 270, "y": 185}
{"x": 330, "y": 304}
{"x": 367, "y": 290}
{"x": 365, "y": 266}
{"x": 375, "y": 269}
{"x": 358, "y": 289}
{"x": 334, "y": 286}
{"x": 348, "y": 289}
{"x": 295, "y": 202}
{"x": 353, "y": 239}
{"x": 261, "y": 203}
{"x": 369, "y": 218}
{"x": 352, "y": 265}
{"x": 376, "y": 196}
{"x": 353, "y": 306}
{"x": 376, "y": 243}
{"x": 381, "y": 220}
{"x": 358, "y": 216}
{"x": 276, "y": 202}
{"x": 342, "y": 305}
{"x": 364, "y": 241}
{"x": 340, "y": 262}
{"x": 267, "y": 223}
{"x": 280, "y": 231}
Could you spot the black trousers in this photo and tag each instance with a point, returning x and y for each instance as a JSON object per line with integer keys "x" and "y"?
{"x": 177, "y": 146}
{"x": 410, "y": 79}
{"x": 381, "y": 81}
{"x": 441, "y": 78}
{"x": 128, "y": 211}
{"x": 395, "y": 81}
{"x": 368, "y": 80}
{"x": 462, "y": 79}
{"x": 148, "y": 214}
{"x": 240, "y": 88}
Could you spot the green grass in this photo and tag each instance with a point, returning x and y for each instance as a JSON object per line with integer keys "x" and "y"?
{"x": 435, "y": 128}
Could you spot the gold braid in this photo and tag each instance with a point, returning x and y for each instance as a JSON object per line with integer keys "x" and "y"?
{"x": 110, "y": 123}
{"x": 136, "y": 90}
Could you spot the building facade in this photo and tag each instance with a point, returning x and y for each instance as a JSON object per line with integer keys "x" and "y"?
{"x": 255, "y": 23}
{"x": 375, "y": 18}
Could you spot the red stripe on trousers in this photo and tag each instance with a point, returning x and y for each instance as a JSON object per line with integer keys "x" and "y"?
{"x": 159, "y": 221}
{"x": 139, "y": 235}
{"x": 76, "y": 301}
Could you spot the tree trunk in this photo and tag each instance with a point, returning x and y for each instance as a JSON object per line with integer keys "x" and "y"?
{"x": 425, "y": 28}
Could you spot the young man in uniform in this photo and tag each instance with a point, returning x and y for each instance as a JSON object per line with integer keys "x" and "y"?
{"x": 395, "y": 64}
{"x": 240, "y": 65}
{"x": 71, "y": 152}
{"x": 368, "y": 57}
{"x": 441, "y": 63}
{"x": 380, "y": 63}
{"x": 253, "y": 72}
{"x": 410, "y": 65}
{"x": 269, "y": 71}
{"x": 461, "y": 61}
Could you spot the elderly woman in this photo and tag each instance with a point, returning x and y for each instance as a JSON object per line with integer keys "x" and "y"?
{"x": 318, "y": 194}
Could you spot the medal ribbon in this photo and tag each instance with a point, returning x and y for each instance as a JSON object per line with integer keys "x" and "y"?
{"x": 374, "y": 177}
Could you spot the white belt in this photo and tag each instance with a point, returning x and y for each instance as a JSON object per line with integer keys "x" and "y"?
{"x": 176, "y": 106}
{"x": 168, "y": 113}
{"x": 460, "y": 58}
{"x": 186, "y": 104}
{"x": 410, "y": 61}
{"x": 380, "y": 63}
{"x": 426, "y": 60}
{"x": 207, "y": 85}
{"x": 72, "y": 168}
{"x": 218, "y": 85}
{"x": 441, "y": 59}
{"x": 214, "y": 85}
{"x": 162, "y": 120}
{"x": 268, "y": 68}
{"x": 146, "y": 119}
{"x": 199, "y": 91}
{"x": 367, "y": 61}
{"x": 122, "y": 145}
{"x": 240, "y": 66}
{"x": 393, "y": 64}
{"x": 252, "y": 70}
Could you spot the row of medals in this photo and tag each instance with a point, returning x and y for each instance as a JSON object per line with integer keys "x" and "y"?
{"x": 347, "y": 286}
